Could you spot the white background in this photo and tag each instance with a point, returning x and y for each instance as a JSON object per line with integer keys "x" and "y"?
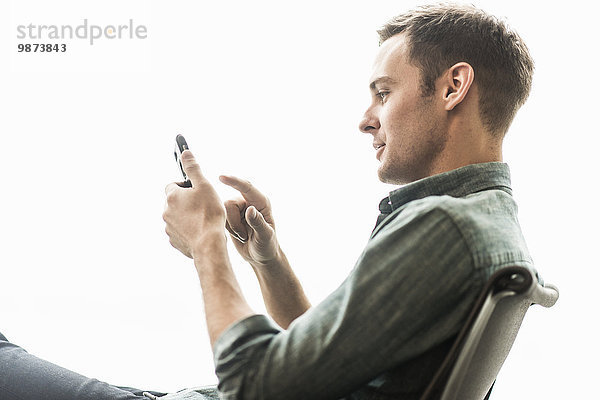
{"x": 273, "y": 92}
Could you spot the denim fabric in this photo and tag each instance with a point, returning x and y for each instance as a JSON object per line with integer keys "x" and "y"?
{"x": 383, "y": 333}
{"x": 26, "y": 377}
{"x": 199, "y": 393}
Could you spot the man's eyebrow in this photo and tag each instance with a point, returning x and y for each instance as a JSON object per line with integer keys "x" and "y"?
{"x": 381, "y": 79}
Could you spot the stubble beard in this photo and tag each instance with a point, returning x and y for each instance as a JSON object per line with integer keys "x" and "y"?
{"x": 419, "y": 162}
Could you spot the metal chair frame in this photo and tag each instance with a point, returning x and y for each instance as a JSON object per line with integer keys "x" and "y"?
{"x": 469, "y": 370}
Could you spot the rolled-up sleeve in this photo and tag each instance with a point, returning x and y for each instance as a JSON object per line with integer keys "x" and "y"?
{"x": 410, "y": 289}
{"x": 238, "y": 349}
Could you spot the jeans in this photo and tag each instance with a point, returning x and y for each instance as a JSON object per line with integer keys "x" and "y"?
{"x": 26, "y": 377}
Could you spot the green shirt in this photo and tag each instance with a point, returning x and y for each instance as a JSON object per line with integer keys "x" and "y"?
{"x": 383, "y": 333}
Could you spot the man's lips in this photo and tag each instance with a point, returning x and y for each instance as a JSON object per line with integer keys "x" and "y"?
{"x": 379, "y": 147}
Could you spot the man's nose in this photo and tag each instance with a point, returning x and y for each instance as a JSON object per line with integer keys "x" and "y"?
{"x": 369, "y": 123}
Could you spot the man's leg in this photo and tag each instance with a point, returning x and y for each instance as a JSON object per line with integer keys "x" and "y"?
{"x": 25, "y": 377}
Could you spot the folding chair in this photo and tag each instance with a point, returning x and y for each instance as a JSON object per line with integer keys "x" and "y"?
{"x": 469, "y": 370}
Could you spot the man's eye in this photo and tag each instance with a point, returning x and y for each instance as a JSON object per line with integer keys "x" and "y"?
{"x": 382, "y": 95}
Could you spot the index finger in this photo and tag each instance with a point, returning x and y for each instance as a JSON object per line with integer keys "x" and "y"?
{"x": 249, "y": 192}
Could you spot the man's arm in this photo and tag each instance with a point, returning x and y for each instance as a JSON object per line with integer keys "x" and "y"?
{"x": 224, "y": 303}
{"x": 194, "y": 222}
{"x": 281, "y": 290}
{"x": 251, "y": 224}
{"x": 410, "y": 290}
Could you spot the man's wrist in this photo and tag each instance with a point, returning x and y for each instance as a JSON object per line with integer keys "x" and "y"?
{"x": 276, "y": 262}
{"x": 209, "y": 243}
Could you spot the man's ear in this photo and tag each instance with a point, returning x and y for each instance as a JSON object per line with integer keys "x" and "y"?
{"x": 457, "y": 81}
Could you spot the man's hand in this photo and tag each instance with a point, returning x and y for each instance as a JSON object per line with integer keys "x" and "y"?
{"x": 192, "y": 213}
{"x": 251, "y": 224}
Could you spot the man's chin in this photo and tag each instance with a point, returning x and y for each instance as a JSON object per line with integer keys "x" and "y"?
{"x": 387, "y": 175}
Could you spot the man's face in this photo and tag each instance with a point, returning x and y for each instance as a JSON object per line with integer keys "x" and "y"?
{"x": 405, "y": 125}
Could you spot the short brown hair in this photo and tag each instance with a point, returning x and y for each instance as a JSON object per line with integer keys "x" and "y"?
{"x": 443, "y": 34}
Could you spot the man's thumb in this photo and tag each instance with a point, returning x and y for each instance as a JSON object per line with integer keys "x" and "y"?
{"x": 256, "y": 221}
{"x": 190, "y": 166}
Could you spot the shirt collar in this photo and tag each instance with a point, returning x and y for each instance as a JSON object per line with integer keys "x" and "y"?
{"x": 456, "y": 183}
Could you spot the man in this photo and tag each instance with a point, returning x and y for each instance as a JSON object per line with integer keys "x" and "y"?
{"x": 445, "y": 87}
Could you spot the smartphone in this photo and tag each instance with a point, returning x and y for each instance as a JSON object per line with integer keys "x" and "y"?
{"x": 180, "y": 146}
